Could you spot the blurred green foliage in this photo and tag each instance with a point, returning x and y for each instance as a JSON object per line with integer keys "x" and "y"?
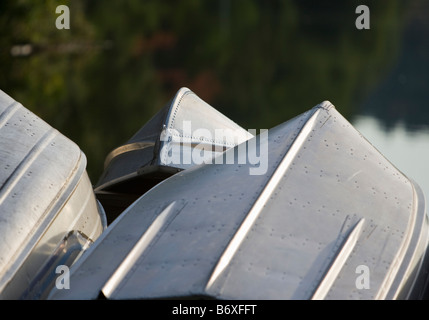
{"x": 259, "y": 62}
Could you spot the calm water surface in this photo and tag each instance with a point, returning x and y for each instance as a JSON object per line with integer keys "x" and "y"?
{"x": 407, "y": 150}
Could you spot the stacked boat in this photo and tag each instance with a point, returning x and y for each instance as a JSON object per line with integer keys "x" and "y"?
{"x": 308, "y": 209}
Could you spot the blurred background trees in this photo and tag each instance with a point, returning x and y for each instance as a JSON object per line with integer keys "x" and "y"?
{"x": 259, "y": 62}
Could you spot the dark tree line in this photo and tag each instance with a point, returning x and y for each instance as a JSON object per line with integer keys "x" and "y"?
{"x": 259, "y": 62}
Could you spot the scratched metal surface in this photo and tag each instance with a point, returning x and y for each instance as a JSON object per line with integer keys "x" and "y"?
{"x": 328, "y": 203}
{"x": 39, "y": 171}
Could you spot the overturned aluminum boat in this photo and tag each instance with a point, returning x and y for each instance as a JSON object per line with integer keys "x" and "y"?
{"x": 163, "y": 147}
{"x": 48, "y": 211}
{"x": 327, "y": 207}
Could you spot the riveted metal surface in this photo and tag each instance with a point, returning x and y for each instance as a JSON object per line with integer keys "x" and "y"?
{"x": 40, "y": 169}
{"x": 328, "y": 203}
{"x": 185, "y": 133}
{"x": 170, "y": 138}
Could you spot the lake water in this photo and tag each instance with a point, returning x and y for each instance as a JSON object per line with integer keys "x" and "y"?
{"x": 407, "y": 150}
{"x": 258, "y": 62}
{"x": 394, "y": 117}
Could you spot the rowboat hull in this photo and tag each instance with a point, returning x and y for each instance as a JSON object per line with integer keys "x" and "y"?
{"x": 48, "y": 211}
{"x": 329, "y": 218}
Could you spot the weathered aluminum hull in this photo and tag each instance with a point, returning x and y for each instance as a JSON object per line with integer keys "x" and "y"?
{"x": 48, "y": 210}
{"x": 328, "y": 207}
{"x": 158, "y": 149}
